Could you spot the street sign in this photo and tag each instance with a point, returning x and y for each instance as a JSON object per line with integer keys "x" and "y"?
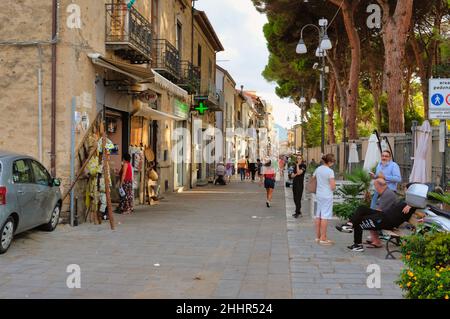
{"x": 200, "y": 98}
{"x": 439, "y": 102}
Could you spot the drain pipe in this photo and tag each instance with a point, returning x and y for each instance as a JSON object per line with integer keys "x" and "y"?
{"x": 40, "y": 114}
{"x": 53, "y": 93}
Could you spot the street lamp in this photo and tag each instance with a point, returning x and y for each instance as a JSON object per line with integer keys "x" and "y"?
{"x": 302, "y": 102}
{"x": 321, "y": 52}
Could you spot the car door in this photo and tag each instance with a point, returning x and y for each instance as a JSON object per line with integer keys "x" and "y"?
{"x": 26, "y": 193}
{"x": 44, "y": 192}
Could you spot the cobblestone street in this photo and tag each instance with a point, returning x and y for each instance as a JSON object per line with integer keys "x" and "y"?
{"x": 211, "y": 242}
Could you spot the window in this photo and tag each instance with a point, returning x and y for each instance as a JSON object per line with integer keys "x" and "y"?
{"x": 210, "y": 69}
{"x": 41, "y": 176}
{"x": 199, "y": 56}
{"x": 22, "y": 172}
{"x": 155, "y": 11}
{"x": 179, "y": 38}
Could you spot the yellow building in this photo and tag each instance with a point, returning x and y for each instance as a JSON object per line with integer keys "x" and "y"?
{"x": 136, "y": 70}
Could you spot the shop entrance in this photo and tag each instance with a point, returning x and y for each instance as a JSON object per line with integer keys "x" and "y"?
{"x": 117, "y": 130}
{"x": 180, "y": 154}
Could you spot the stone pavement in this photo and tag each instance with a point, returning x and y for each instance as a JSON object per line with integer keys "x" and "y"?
{"x": 334, "y": 272}
{"x": 210, "y": 242}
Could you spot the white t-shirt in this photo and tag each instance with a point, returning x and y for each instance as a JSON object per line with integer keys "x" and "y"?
{"x": 323, "y": 175}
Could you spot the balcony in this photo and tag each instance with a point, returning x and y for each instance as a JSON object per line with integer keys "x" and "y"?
{"x": 128, "y": 33}
{"x": 190, "y": 77}
{"x": 166, "y": 60}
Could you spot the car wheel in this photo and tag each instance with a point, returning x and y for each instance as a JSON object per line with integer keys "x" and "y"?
{"x": 53, "y": 222}
{"x": 6, "y": 235}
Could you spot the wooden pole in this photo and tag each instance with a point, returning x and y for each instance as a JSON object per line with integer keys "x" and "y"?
{"x": 80, "y": 173}
{"x": 107, "y": 178}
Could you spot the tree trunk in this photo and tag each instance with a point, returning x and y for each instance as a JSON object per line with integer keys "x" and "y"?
{"x": 425, "y": 59}
{"x": 348, "y": 9}
{"x": 418, "y": 53}
{"x": 330, "y": 120}
{"x": 395, "y": 34}
{"x": 376, "y": 86}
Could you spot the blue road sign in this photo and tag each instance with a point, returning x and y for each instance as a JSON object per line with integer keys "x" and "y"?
{"x": 437, "y": 99}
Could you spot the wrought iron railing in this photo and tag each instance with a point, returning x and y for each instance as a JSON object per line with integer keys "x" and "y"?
{"x": 190, "y": 77}
{"x": 129, "y": 27}
{"x": 166, "y": 58}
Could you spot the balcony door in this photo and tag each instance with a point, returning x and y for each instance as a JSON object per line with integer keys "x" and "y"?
{"x": 155, "y": 18}
{"x": 179, "y": 34}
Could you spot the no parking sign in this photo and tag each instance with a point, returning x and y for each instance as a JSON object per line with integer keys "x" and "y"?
{"x": 439, "y": 99}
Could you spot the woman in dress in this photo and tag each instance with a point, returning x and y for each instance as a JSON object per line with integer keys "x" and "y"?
{"x": 126, "y": 183}
{"x": 268, "y": 173}
{"x": 326, "y": 185}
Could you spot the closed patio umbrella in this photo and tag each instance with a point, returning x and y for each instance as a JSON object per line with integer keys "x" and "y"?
{"x": 373, "y": 156}
{"x": 419, "y": 170}
{"x": 353, "y": 155}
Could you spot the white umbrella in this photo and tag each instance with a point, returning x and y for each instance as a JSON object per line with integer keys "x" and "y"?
{"x": 373, "y": 156}
{"x": 419, "y": 171}
{"x": 353, "y": 154}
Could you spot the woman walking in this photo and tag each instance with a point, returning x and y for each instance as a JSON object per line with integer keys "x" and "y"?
{"x": 126, "y": 183}
{"x": 326, "y": 185}
{"x": 298, "y": 176}
{"x": 268, "y": 173}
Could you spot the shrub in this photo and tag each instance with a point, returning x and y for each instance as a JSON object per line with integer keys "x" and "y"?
{"x": 425, "y": 283}
{"x": 427, "y": 260}
{"x": 346, "y": 209}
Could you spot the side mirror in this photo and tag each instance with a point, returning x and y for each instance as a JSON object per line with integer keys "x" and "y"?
{"x": 56, "y": 182}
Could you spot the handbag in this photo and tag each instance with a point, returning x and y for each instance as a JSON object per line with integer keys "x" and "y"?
{"x": 121, "y": 192}
{"x": 311, "y": 187}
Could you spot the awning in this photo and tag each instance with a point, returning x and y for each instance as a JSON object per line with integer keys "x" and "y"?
{"x": 140, "y": 74}
{"x": 141, "y": 109}
{"x": 171, "y": 87}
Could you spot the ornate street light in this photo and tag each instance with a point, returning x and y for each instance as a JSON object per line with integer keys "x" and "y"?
{"x": 321, "y": 52}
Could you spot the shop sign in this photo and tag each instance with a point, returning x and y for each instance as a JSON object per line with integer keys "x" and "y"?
{"x": 180, "y": 109}
{"x": 148, "y": 96}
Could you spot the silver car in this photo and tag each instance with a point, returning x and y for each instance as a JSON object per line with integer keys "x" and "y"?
{"x": 29, "y": 197}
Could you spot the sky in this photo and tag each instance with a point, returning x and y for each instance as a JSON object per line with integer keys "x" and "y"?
{"x": 240, "y": 29}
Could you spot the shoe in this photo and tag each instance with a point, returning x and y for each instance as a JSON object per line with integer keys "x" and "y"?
{"x": 345, "y": 228}
{"x": 326, "y": 242}
{"x": 296, "y": 215}
{"x": 355, "y": 247}
{"x": 268, "y": 204}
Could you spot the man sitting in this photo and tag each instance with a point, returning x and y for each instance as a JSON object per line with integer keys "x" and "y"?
{"x": 388, "y": 214}
{"x": 220, "y": 172}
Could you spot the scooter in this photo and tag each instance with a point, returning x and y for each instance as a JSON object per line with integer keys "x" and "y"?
{"x": 417, "y": 196}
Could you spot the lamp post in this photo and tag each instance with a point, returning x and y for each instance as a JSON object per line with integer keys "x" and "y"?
{"x": 324, "y": 45}
{"x": 302, "y": 110}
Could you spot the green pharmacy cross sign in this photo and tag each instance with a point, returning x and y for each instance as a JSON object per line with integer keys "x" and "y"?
{"x": 201, "y": 108}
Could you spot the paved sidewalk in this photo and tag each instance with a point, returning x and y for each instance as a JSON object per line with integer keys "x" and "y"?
{"x": 334, "y": 272}
{"x": 212, "y": 242}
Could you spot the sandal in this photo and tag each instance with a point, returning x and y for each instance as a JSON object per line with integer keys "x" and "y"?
{"x": 326, "y": 242}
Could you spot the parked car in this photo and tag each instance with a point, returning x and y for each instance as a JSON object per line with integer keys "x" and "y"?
{"x": 29, "y": 197}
